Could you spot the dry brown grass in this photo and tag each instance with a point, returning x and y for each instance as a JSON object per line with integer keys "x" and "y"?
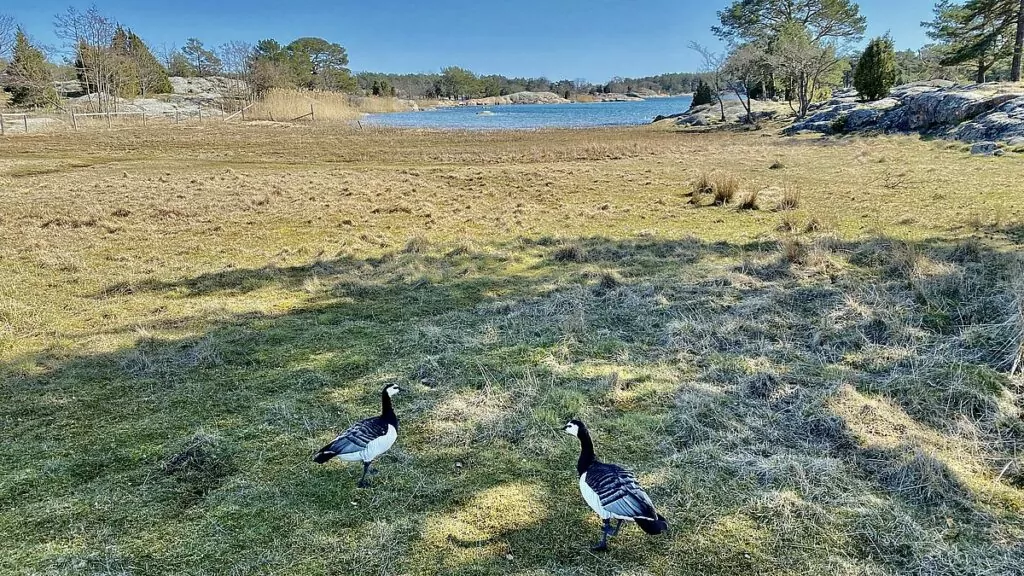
{"x": 749, "y": 200}
{"x": 185, "y": 314}
{"x": 790, "y": 199}
{"x": 284, "y": 105}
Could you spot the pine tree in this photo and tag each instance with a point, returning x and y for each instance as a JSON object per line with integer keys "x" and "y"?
{"x": 151, "y": 74}
{"x": 703, "y": 95}
{"x": 876, "y": 70}
{"x": 31, "y": 84}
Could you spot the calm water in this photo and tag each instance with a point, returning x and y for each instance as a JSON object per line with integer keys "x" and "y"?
{"x": 531, "y": 116}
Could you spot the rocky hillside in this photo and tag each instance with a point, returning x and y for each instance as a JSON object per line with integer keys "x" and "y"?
{"x": 974, "y": 113}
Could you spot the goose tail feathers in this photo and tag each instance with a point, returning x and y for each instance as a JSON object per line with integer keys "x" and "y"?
{"x": 653, "y": 526}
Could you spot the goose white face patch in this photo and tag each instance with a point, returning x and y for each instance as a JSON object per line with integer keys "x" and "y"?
{"x": 393, "y": 389}
{"x": 571, "y": 429}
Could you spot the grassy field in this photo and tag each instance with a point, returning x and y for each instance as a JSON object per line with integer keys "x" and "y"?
{"x": 820, "y": 385}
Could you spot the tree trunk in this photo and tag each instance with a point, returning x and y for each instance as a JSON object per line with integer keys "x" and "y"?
{"x": 980, "y": 79}
{"x": 1018, "y": 45}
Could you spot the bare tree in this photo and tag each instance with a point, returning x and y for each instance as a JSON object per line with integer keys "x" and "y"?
{"x": 237, "y": 58}
{"x": 7, "y": 30}
{"x": 87, "y": 38}
{"x": 806, "y": 65}
{"x": 712, "y": 69}
{"x": 746, "y": 66}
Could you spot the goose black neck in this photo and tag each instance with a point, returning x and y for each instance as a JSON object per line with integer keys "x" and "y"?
{"x": 387, "y": 411}
{"x": 586, "y": 451}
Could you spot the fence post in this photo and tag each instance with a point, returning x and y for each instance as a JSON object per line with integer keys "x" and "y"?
{"x": 108, "y": 118}
{"x": 200, "y": 114}
{"x": 177, "y": 118}
{"x": 3, "y": 129}
{"x": 25, "y": 118}
{"x": 74, "y": 121}
{"x": 243, "y": 111}
{"x": 143, "y": 119}
{"x": 311, "y": 118}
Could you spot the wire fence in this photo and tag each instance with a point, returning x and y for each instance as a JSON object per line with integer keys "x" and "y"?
{"x": 71, "y": 119}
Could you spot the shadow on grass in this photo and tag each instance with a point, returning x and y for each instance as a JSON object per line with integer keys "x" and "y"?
{"x": 711, "y": 369}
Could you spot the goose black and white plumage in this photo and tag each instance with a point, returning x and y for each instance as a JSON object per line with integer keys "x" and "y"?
{"x": 365, "y": 440}
{"x": 612, "y": 492}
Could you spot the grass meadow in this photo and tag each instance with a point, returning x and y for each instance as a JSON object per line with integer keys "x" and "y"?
{"x": 803, "y": 347}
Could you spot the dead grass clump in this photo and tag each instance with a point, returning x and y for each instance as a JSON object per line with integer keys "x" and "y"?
{"x": 917, "y": 476}
{"x": 763, "y": 385}
{"x": 721, "y": 187}
{"x": 726, "y": 188}
{"x": 704, "y": 186}
{"x": 121, "y": 213}
{"x": 813, "y": 225}
{"x": 749, "y": 201}
{"x": 200, "y": 464}
{"x": 416, "y": 245}
{"x": 794, "y": 251}
{"x": 777, "y": 166}
{"x": 570, "y": 253}
{"x": 72, "y": 223}
{"x": 788, "y": 224}
{"x": 790, "y": 200}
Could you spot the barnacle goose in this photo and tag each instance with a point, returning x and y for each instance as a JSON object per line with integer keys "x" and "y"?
{"x": 613, "y": 493}
{"x": 365, "y": 440}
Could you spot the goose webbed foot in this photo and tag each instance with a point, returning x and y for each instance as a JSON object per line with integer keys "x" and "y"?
{"x": 606, "y": 531}
{"x": 617, "y": 528}
{"x": 362, "y": 479}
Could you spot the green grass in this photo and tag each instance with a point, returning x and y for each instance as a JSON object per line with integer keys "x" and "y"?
{"x": 181, "y": 328}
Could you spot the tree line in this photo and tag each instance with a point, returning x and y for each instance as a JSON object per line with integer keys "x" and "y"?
{"x": 801, "y": 50}
{"x": 793, "y": 50}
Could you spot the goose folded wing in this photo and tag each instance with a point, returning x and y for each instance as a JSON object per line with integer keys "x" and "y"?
{"x": 619, "y": 492}
{"x": 358, "y": 436}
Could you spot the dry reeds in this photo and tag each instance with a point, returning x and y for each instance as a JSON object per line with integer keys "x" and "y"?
{"x": 285, "y": 105}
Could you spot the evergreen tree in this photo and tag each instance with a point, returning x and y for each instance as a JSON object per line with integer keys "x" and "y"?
{"x": 203, "y": 61}
{"x": 703, "y": 95}
{"x": 980, "y": 32}
{"x": 152, "y": 76}
{"x": 876, "y": 70}
{"x": 30, "y": 84}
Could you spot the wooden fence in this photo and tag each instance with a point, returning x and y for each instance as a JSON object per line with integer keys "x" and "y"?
{"x": 20, "y": 121}
{"x": 4, "y": 122}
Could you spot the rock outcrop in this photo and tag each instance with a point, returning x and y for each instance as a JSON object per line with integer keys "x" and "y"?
{"x": 517, "y": 98}
{"x": 631, "y": 97}
{"x": 974, "y": 113}
{"x": 710, "y": 114}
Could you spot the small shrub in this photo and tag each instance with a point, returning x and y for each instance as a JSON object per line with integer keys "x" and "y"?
{"x": 777, "y": 166}
{"x": 790, "y": 200}
{"x": 839, "y": 125}
{"x": 749, "y": 201}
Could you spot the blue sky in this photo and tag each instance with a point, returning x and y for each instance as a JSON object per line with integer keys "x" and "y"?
{"x": 592, "y": 39}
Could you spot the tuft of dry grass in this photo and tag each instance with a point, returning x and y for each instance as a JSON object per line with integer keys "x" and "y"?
{"x": 790, "y": 200}
{"x": 721, "y": 187}
{"x": 749, "y": 200}
{"x": 726, "y": 188}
